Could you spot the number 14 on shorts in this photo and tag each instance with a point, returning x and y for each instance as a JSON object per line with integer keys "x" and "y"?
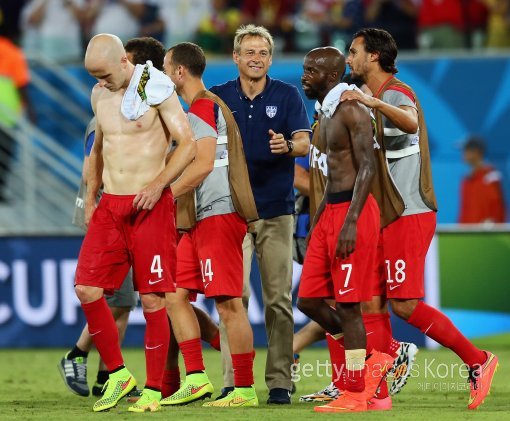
{"x": 206, "y": 268}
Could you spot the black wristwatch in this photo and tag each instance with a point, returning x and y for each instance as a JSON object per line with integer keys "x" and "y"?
{"x": 290, "y": 145}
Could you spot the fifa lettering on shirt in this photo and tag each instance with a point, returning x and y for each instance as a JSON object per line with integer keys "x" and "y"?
{"x": 318, "y": 160}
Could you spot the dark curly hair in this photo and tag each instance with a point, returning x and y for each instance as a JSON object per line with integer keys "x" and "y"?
{"x": 146, "y": 48}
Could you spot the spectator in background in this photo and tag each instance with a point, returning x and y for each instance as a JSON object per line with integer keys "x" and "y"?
{"x": 446, "y": 24}
{"x": 216, "y": 31}
{"x": 498, "y": 23}
{"x": 276, "y": 15}
{"x": 327, "y": 22}
{"x": 119, "y": 17}
{"x": 481, "y": 192}
{"x": 52, "y": 29}
{"x": 182, "y": 18}
{"x": 10, "y": 12}
{"x": 398, "y": 17}
{"x": 151, "y": 21}
{"x": 14, "y": 80}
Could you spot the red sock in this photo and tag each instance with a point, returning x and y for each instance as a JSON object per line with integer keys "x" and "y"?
{"x": 337, "y": 356}
{"x": 171, "y": 382}
{"x": 192, "y": 355}
{"x": 355, "y": 380}
{"x": 394, "y": 347}
{"x": 157, "y": 337}
{"x": 437, "y": 326}
{"x": 215, "y": 342}
{"x": 104, "y": 332}
{"x": 378, "y": 328}
{"x": 243, "y": 369}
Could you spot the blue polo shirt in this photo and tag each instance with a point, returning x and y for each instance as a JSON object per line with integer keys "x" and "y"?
{"x": 280, "y": 108}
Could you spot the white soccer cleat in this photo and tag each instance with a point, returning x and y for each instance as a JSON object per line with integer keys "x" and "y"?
{"x": 402, "y": 366}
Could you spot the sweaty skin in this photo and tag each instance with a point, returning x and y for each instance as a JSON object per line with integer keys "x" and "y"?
{"x": 128, "y": 157}
{"x": 348, "y": 135}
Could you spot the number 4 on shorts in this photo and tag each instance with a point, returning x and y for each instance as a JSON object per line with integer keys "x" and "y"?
{"x": 156, "y": 265}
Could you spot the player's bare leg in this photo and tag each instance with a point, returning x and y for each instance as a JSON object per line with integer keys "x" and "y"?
{"x": 209, "y": 331}
{"x": 309, "y": 334}
{"x": 319, "y": 310}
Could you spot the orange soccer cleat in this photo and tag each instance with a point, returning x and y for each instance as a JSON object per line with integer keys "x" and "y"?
{"x": 347, "y": 402}
{"x": 481, "y": 379}
{"x": 377, "y": 366}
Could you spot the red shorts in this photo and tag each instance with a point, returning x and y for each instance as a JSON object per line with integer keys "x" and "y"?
{"x": 405, "y": 243}
{"x": 119, "y": 236}
{"x": 379, "y": 285}
{"x": 210, "y": 256}
{"x": 348, "y": 280}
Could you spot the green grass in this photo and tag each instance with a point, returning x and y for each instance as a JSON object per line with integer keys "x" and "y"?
{"x": 31, "y": 388}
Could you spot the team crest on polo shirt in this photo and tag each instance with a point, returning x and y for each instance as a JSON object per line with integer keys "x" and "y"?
{"x": 271, "y": 110}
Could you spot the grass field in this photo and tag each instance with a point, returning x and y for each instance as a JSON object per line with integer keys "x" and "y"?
{"x": 31, "y": 388}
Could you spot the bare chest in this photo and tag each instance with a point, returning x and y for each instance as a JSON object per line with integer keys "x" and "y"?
{"x": 335, "y": 134}
{"x": 113, "y": 123}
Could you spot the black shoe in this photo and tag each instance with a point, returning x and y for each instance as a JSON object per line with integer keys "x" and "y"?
{"x": 279, "y": 396}
{"x": 224, "y": 392}
{"x": 134, "y": 395}
{"x": 97, "y": 389}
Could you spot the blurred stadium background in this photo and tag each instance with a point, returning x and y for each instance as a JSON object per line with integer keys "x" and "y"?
{"x": 463, "y": 87}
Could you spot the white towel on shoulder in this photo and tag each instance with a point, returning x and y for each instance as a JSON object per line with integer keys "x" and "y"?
{"x": 148, "y": 86}
{"x": 332, "y": 99}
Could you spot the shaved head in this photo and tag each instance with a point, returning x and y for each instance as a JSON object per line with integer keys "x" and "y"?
{"x": 103, "y": 48}
{"x": 323, "y": 69}
{"x": 106, "y": 60}
{"x": 329, "y": 58}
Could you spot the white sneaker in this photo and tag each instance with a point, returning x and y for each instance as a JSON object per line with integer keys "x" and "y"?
{"x": 328, "y": 394}
{"x": 402, "y": 366}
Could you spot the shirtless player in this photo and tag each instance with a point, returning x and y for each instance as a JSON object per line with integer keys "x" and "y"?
{"x": 133, "y": 224}
{"x": 340, "y": 259}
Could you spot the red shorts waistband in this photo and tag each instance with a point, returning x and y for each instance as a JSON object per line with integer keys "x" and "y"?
{"x": 129, "y": 196}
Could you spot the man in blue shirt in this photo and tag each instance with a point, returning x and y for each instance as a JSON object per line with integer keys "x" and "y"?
{"x": 275, "y": 128}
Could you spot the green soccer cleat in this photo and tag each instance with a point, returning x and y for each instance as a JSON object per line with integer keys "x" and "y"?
{"x": 118, "y": 385}
{"x": 148, "y": 402}
{"x": 240, "y": 396}
{"x": 196, "y": 386}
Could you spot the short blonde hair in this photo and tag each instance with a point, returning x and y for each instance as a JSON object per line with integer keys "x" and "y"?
{"x": 252, "y": 31}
